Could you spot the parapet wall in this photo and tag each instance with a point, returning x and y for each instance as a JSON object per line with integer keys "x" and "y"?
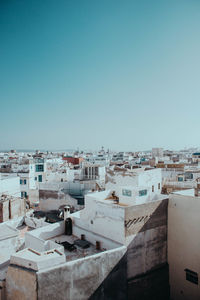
{"x": 73, "y": 280}
{"x": 12, "y": 207}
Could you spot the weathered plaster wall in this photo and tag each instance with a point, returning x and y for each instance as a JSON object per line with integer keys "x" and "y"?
{"x": 145, "y": 216}
{"x": 148, "y": 246}
{"x": 147, "y": 268}
{"x": 77, "y": 279}
{"x": 21, "y": 284}
{"x": 50, "y": 200}
{"x": 4, "y": 211}
{"x": 12, "y": 208}
{"x": 17, "y": 207}
{"x": 147, "y": 251}
{"x": 114, "y": 286}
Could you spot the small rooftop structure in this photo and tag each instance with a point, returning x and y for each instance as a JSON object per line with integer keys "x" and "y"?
{"x": 35, "y": 260}
{"x": 7, "y": 232}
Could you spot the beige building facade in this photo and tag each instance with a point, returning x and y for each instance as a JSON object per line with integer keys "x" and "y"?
{"x": 184, "y": 246}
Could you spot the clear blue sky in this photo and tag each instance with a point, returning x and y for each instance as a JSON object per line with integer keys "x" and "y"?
{"x": 119, "y": 73}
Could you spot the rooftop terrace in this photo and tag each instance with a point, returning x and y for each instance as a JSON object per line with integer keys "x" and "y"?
{"x": 74, "y": 247}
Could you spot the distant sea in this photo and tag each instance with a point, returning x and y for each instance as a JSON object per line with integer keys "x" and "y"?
{"x": 41, "y": 150}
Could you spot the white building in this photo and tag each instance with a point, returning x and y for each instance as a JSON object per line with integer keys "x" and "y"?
{"x": 40, "y": 169}
{"x": 87, "y": 172}
{"x": 28, "y": 184}
{"x": 146, "y": 182}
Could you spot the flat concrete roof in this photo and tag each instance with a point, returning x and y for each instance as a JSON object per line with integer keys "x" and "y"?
{"x": 8, "y": 176}
{"x": 35, "y": 260}
{"x": 7, "y": 232}
{"x": 78, "y": 252}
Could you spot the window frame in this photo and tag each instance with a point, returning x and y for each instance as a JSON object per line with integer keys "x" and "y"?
{"x": 191, "y": 276}
{"x": 39, "y": 168}
{"x": 142, "y": 193}
{"x": 127, "y": 193}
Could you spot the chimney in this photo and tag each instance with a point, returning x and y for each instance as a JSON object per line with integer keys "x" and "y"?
{"x": 66, "y": 212}
{"x": 83, "y": 237}
{"x": 98, "y": 245}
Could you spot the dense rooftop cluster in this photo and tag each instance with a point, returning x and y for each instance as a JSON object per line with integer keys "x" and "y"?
{"x": 72, "y": 216}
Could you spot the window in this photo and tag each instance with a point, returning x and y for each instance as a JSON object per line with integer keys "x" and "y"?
{"x": 191, "y": 276}
{"x": 22, "y": 181}
{"x": 80, "y": 201}
{"x": 40, "y": 178}
{"x": 39, "y": 168}
{"x": 159, "y": 186}
{"x": 23, "y": 194}
{"x": 152, "y": 188}
{"x": 142, "y": 193}
{"x": 188, "y": 175}
{"x": 35, "y": 178}
{"x": 127, "y": 193}
{"x": 180, "y": 178}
